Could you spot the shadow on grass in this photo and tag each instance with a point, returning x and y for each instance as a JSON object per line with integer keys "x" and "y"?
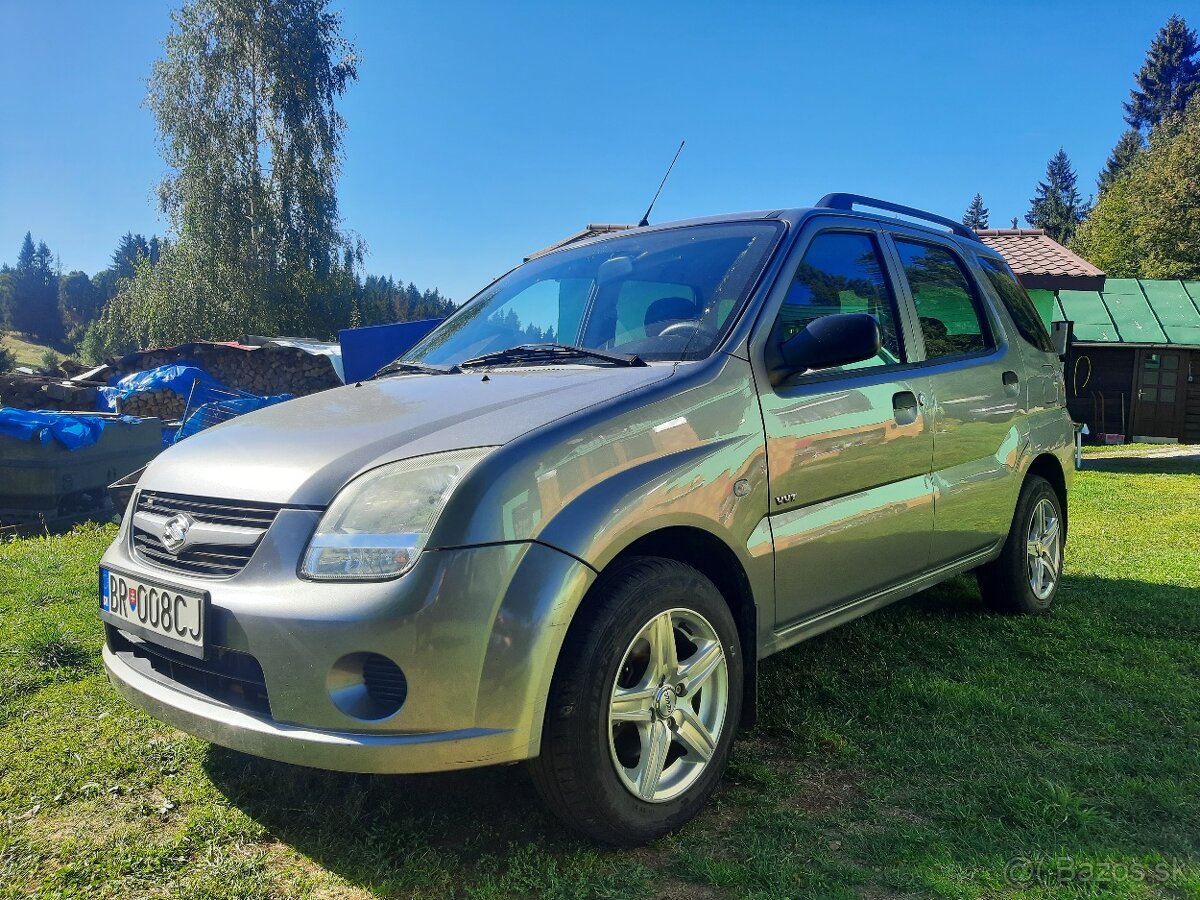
{"x": 1180, "y": 464}
{"x": 986, "y": 736}
{"x": 326, "y": 815}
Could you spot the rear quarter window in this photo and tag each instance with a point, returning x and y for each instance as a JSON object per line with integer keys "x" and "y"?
{"x": 1024, "y": 314}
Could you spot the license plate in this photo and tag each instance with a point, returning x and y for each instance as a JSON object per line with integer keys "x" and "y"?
{"x": 174, "y": 617}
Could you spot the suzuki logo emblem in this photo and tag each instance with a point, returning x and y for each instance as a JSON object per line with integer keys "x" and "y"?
{"x": 175, "y": 532}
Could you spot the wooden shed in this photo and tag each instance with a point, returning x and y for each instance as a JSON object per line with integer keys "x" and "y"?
{"x": 1134, "y": 368}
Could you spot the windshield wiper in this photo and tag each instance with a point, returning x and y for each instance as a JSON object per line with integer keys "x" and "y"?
{"x": 398, "y": 367}
{"x": 550, "y": 353}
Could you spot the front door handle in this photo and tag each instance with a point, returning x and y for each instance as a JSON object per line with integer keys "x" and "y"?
{"x": 904, "y": 405}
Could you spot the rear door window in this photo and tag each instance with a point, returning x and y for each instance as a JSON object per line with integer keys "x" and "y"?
{"x": 948, "y": 309}
{"x": 1024, "y": 314}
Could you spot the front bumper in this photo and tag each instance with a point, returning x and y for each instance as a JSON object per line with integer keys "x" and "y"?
{"x": 476, "y": 632}
{"x": 337, "y": 750}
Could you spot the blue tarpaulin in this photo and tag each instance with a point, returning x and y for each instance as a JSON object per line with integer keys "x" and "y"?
{"x": 174, "y": 377}
{"x": 43, "y": 426}
{"x": 222, "y": 410}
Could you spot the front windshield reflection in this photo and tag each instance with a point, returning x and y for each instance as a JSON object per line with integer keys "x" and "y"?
{"x": 667, "y": 295}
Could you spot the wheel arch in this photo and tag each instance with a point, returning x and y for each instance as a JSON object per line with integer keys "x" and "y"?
{"x": 713, "y": 558}
{"x": 1049, "y": 467}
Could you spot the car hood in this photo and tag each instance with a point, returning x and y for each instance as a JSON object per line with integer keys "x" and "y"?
{"x": 303, "y": 451}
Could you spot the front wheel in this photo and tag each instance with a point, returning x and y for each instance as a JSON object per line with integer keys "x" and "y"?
{"x": 1025, "y": 577}
{"x": 644, "y": 705}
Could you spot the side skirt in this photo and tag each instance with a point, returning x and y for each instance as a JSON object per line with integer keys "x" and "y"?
{"x": 832, "y": 618}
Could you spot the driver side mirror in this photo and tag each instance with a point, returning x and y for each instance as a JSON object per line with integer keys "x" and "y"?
{"x": 833, "y": 340}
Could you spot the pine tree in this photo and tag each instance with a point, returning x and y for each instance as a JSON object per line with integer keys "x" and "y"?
{"x": 1057, "y": 206}
{"x": 130, "y": 248}
{"x": 1146, "y": 225}
{"x": 976, "y": 215}
{"x": 1123, "y": 155}
{"x": 34, "y": 302}
{"x": 1168, "y": 78}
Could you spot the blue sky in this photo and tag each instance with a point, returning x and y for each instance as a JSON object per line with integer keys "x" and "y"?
{"x": 481, "y": 131}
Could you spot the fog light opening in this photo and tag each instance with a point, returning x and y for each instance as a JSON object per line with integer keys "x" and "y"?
{"x": 367, "y": 686}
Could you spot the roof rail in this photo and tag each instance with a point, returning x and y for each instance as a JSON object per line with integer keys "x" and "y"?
{"x": 849, "y": 201}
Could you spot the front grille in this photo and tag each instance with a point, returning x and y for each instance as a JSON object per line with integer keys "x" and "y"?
{"x": 210, "y": 560}
{"x": 227, "y": 676}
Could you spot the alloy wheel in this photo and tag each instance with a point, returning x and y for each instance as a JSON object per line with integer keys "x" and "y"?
{"x": 668, "y": 705}
{"x": 1044, "y": 549}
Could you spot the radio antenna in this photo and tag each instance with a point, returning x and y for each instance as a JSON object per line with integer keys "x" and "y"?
{"x": 646, "y": 218}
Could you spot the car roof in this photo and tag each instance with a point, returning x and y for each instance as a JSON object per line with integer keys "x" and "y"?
{"x": 794, "y": 217}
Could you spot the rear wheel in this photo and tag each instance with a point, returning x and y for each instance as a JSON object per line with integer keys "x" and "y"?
{"x": 644, "y": 705}
{"x": 1025, "y": 577}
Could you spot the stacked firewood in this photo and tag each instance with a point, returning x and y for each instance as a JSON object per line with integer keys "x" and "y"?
{"x": 45, "y": 392}
{"x": 266, "y": 370}
{"x": 163, "y": 404}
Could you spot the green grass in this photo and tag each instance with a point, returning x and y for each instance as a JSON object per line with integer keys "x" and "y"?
{"x": 1121, "y": 449}
{"x": 913, "y": 753}
{"x": 26, "y": 351}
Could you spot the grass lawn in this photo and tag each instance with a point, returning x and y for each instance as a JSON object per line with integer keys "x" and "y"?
{"x": 1131, "y": 448}
{"x": 26, "y": 351}
{"x": 913, "y": 753}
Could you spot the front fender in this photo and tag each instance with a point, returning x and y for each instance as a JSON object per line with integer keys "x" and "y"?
{"x": 691, "y": 488}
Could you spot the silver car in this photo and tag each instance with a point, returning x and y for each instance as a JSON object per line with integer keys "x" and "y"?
{"x": 566, "y": 525}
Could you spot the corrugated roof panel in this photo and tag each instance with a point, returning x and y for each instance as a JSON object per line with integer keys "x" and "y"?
{"x": 1133, "y": 318}
{"x": 1183, "y": 334}
{"x": 1096, "y": 333}
{"x": 1043, "y": 301}
{"x": 1193, "y": 289}
{"x": 1149, "y": 311}
{"x": 1122, "y": 286}
{"x": 1171, "y": 303}
{"x": 1085, "y": 307}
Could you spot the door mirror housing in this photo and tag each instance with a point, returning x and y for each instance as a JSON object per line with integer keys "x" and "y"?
{"x": 833, "y": 340}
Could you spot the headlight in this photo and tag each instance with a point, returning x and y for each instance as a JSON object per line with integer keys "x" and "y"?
{"x": 380, "y": 521}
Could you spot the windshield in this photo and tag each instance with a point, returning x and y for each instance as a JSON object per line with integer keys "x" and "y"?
{"x": 667, "y": 295}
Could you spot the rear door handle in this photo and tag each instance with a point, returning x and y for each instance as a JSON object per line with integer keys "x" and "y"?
{"x": 904, "y": 406}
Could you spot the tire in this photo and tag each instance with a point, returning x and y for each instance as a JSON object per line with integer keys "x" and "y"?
{"x": 1008, "y": 583}
{"x": 609, "y": 720}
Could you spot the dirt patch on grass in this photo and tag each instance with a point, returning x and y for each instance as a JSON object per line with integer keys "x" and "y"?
{"x": 674, "y": 889}
{"x": 900, "y": 814}
{"x": 825, "y": 790}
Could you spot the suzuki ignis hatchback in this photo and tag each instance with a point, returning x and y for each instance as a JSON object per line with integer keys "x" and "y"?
{"x": 566, "y": 525}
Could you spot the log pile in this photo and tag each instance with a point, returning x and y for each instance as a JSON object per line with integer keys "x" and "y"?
{"x": 45, "y": 392}
{"x": 265, "y": 370}
{"x": 163, "y": 404}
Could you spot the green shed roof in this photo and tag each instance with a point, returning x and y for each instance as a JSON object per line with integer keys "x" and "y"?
{"x": 1131, "y": 311}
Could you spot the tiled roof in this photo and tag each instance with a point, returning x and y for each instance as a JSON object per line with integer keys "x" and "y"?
{"x": 1040, "y": 261}
{"x": 1134, "y": 311}
{"x": 590, "y": 232}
